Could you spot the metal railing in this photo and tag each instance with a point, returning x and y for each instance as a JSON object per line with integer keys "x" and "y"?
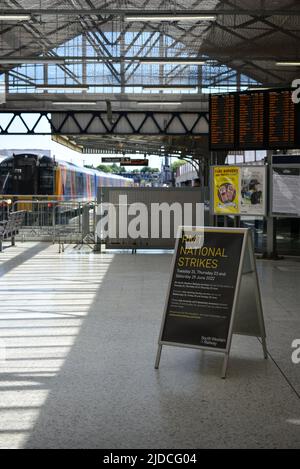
{"x": 53, "y": 220}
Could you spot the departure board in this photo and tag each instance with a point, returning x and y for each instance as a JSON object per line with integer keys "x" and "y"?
{"x": 222, "y": 121}
{"x": 251, "y": 113}
{"x": 282, "y": 131}
{"x": 254, "y": 120}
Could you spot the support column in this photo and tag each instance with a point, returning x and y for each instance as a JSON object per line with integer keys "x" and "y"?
{"x": 200, "y": 79}
{"x": 46, "y": 77}
{"x": 238, "y": 81}
{"x": 6, "y": 83}
{"x": 84, "y": 54}
{"x": 271, "y": 252}
{"x": 122, "y": 55}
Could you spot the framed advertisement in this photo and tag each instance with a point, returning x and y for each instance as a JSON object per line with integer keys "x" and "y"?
{"x": 239, "y": 190}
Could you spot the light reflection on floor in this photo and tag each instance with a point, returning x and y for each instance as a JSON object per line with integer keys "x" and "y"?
{"x": 41, "y": 312}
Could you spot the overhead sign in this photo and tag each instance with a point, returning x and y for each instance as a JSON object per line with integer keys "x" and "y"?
{"x": 113, "y": 159}
{"x": 213, "y": 291}
{"x": 134, "y": 162}
{"x": 239, "y": 190}
{"x": 251, "y": 130}
{"x": 125, "y": 161}
{"x": 222, "y": 118}
{"x": 254, "y": 120}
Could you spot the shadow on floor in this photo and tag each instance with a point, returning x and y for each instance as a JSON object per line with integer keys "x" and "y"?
{"x": 15, "y": 261}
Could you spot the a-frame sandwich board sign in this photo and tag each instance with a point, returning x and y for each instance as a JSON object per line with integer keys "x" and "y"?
{"x": 213, "y": 292}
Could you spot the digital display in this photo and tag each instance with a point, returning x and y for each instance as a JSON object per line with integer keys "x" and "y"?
{"x": 222, "y": 121}
{"x": 251, "y": 120}
{"x": 254, "y": 120}
{"x": 282, "y": 112}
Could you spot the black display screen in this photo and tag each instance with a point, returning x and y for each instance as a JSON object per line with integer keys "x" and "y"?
{"x": 262, "y": 120}
{"x": 251, "y": 126}
{"x": 222, "y": 121}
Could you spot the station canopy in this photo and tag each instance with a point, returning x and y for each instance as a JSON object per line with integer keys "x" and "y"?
{"x": 149, "y": 55}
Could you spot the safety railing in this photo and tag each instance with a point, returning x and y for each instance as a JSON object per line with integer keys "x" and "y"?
{"x": 53, "y": 220}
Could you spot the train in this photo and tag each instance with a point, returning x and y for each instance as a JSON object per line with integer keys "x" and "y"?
{"x": 28, "y": 174}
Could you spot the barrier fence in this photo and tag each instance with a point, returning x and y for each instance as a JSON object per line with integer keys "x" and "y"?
{"x": 53, "y": 220}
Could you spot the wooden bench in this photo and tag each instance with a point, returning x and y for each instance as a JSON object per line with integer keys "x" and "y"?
{"x": 10, "y": 228}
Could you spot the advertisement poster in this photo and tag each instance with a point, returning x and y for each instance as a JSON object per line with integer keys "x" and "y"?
{"x": 253, "y": 191}
{"x": 226, "y": 190}
{"x": 202, "y": 290}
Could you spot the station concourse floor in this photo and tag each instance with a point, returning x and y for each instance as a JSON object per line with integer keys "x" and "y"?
{"x": 78, "y": 336}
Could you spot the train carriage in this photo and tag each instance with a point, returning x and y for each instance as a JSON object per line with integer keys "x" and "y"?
{"x": 40, "y": 175}
{"x": 29, "y": 177}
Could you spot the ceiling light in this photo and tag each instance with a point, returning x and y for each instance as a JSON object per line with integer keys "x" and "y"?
{"x": 15, "y": 17}
{"x": 257, "y": 88}
{"x": 171, "y": 18}
{"x": 169, "y": 87}
{"x": 31, "y": 60}
{"x": 63, "y": 87}
{"x": 288, "y": 64}
{"x": 74, "y": 103}
{"x": 172, "y": 61}
{"x": 159, "y": 103}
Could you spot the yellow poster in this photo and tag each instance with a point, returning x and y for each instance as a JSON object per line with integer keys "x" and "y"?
{"x": 226, "y": 190}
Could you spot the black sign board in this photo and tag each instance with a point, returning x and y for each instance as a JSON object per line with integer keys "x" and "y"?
{"x": 254, "y": 120}
{"x": 205, "y": 291}
{"x": 134, "y": 162}
{"x": 222, "y": 112}
{"x": 251, "y": 124}
{"x": 114, "y": 159}
{"x": 282, "y": 120}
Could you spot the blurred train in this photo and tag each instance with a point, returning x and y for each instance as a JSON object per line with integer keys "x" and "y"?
{"x": 28, "y": 174}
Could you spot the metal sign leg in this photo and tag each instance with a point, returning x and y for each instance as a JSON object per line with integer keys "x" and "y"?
{"x": 264, "y": 346}
{"x": 225, "y": 365}
{"x": 158, "y": 355}
{"x": 258, "y": 299}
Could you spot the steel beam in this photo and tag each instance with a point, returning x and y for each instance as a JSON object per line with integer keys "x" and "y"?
{"x": 159, "y": 123}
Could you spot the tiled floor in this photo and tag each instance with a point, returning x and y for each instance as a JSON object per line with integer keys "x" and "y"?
{"x": 78, "y": 338}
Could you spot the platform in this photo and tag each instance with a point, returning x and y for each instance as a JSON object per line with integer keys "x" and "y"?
{"x": 80, "y": 334}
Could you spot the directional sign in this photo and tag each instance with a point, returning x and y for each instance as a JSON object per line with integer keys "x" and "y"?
{"x": 111, "y": 159}
{"x": 132, "y": 162}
